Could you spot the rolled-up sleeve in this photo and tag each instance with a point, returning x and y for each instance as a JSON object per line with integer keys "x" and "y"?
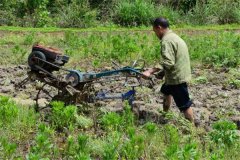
{"x": 167, "y": 55}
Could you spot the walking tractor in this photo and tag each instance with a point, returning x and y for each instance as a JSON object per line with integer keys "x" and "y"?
{"x": 77, "y": 87}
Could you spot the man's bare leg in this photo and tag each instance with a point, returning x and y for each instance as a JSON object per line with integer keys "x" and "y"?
{"x": 189, "y": 114}
{"x": 167, "y": 102}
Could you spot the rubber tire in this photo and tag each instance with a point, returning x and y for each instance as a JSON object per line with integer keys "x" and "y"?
{"x": 32, "y": 63}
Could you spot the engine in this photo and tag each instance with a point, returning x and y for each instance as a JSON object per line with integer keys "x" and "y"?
{"x": 46, "y": 58}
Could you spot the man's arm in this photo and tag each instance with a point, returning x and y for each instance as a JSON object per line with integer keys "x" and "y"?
{"x": 167, "y": 60}
{"x": 168, "y": 55}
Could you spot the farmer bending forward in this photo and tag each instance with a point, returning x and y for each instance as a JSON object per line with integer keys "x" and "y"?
{"x": 175, "y": 66}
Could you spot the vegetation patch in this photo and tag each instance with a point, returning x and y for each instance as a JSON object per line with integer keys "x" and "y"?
{"x": 119, "y": 136}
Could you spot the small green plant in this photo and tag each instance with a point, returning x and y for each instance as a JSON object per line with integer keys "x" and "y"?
{"x": 218, "y": 155}
{"x": 188, "y": 151}
{"x": 19, "y": 54}
{"x": 133, "y": 146}
{"x": 219, "y": 50}
{"x": 62, "y": 116}
{"x": 224, "y": 134}
{"x": 8, "y": 110}
{"x": 70, "y": 146}
{"x": 78, "y": 150}
{"x": 71, "y": 39}
{"x": 235, "y": 83}
{"x": 171, "y": 139}
{"x": 128, "y": 116}
{"x": 96, "y": 63}
{"x": 82, "y": 149}
{"x": 112, "y": 121}
{"x": 151, "y": 127}
{"x": 83, "y": 122}
{"x": 111, "y": 146}
{"x": 29, "y": 39}
{"x": 7, "y": 149}
{"x": 43, "y": 148}
{"x": 201, "y": 80}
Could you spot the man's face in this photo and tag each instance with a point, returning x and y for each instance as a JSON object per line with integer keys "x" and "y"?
{"x": 159, "y": 31}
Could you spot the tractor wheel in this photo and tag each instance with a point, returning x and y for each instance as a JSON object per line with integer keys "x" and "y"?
{"x": 34, "y": 59}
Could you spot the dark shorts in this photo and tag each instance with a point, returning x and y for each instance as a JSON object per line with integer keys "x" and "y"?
{"x": 180, "y": 95}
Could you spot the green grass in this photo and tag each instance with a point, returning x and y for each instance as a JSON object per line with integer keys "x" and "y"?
{"x": 96, "y": 49}
{"x": 117, "y": 28}
{"x": 68, "y": 133}
{"x": 115, "y": 136}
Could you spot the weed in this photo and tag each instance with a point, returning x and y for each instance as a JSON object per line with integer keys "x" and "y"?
{"x": 218, "y": 155}
{"x": 76, "y": 14}
{"x": 219, "y": 150}
{"x": 7, "y": 149}
{"x": 77, "y": 150}
{"x": 224, "y": 134}
{"x": 139, "y": 12}
{"x": 118, "y": 135}
{"x": 133, "y": 147}
{"x": 220, "y": 50}
{"x": 112, "y": 121}
{"x": 201, "y": 80}
{"x": 29, "y": 39}
{"x": 83, "y": 122}
{"x": 8, "y": 110}
{"x": 19, "y": 53}
{"x": 128, "y": 116}
{"x": 42, "y": 14}
{"x": 171, "y": 139}
{"x": 121, "y": 138}
{"x": 134, "y": 13}
{"x": 82, "y": 149}
{"x": 235, "y": 83}
{"x": 43, "y": 147}
{"x": 110, "y": 148}
{"x": 98, "y": 48}
{"x": 188, "y": 151}
{"x": 151, "y": 127}
{"x": 62, "y": 117}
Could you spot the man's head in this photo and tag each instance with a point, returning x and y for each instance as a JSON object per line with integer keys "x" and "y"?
{"x": 160, "y": 27}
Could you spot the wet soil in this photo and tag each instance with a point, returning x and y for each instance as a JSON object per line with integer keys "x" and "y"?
{"x": 214, "y": 98}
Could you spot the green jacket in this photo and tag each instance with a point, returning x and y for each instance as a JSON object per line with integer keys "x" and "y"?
{"x": 175, "y": 59}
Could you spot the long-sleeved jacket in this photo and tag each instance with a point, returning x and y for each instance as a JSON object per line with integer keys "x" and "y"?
{"x": 175, "y": 59}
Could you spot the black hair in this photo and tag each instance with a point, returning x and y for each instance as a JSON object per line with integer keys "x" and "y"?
{"x": 160, "y": 22}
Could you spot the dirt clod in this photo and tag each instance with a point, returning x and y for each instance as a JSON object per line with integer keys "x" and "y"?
{"x": 210, "y": 99}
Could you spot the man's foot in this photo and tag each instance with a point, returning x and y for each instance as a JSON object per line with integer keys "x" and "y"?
{"x": 197, "y": 122}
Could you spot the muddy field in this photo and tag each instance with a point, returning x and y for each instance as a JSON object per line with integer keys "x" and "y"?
{"x": 213, "y": 95}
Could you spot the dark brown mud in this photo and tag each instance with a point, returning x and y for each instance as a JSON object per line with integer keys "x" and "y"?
{"x": 213, "y": 95}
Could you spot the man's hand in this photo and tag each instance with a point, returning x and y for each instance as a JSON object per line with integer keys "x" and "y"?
{"x": 149, "y": 72}
{"x": 146, "y": 74}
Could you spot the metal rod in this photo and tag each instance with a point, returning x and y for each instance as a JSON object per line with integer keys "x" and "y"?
{"x": 53, "y": 64}
{"x": 45, "y": 71}
{"x": 37, "y": 97}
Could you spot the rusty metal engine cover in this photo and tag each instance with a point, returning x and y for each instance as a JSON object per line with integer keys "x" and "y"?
{"x": 42, "y": 56}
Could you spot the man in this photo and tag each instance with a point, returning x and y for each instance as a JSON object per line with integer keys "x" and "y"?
{"x": 175, "y": 64}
